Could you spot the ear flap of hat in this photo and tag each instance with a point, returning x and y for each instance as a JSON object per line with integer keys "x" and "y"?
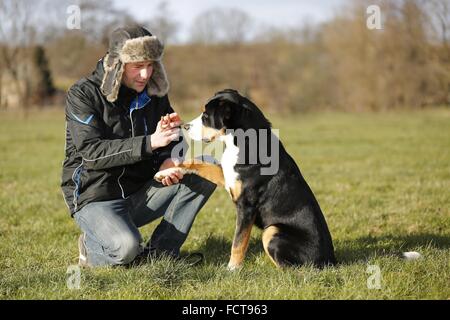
{"x": 112, "y": 77}
{"x": 158, "y": 84}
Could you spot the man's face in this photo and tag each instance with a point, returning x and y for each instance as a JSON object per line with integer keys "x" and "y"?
{"x": 136, "y": 75}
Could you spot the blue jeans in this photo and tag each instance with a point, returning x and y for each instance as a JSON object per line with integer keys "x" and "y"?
{"x": 111, "y": 227}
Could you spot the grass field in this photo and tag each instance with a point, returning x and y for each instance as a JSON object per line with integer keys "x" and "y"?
{"x": 382, "y": 180}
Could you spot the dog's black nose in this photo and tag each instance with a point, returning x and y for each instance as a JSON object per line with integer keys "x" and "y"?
{"x": 186, "y": 126}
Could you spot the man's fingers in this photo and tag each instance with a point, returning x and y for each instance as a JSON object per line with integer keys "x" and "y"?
{"x": 178, "y": 174}
{"x": 172, "y": 120}
{"x": 163, "y": 124}
{"x": 166, "y": 181}
{"x": 173, "y": 134}
{"x": 174, "y": 124}
{"x": 171, "y": 179}
{"x": 169, "y": 132}
{"x": 174, "y": 117}
{"x": 172, "y": 131}
{"x": 173, "y": 137}
{"x": 165, "y": 121}
{"x": 174, "y": 178}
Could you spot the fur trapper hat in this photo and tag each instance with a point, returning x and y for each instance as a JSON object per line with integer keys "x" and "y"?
{"x": 133, "y": 44}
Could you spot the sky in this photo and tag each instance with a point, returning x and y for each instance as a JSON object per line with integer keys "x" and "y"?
{"x": 278, "y": 13}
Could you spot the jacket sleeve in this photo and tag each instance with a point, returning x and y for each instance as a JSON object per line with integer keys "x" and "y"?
{"x": 87, "y": 129}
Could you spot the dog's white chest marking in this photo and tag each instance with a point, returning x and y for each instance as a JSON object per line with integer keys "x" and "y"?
{"x": 228, "y": 161}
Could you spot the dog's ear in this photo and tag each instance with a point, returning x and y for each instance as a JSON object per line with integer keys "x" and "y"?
{"x": 227, "y": 108}
{"x": 246, "y": 110}
{"x": 228, "y": 111}
{"x": 232, "y": 109}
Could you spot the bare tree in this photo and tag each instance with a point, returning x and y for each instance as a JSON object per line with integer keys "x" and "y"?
{"x": 99, "y": 19}
{"x": 221, "y": 25}
{"x": 439, "y": 14}
{"x": 72, "y": 53}
{"x": 162, "y": 25}
{"x": 16, "y": 36}
{"x": 2, "y": 104}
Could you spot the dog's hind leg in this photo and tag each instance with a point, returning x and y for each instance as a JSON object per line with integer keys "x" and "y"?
{"x": 267, "y": 236}
{"x": 283, "y": 248}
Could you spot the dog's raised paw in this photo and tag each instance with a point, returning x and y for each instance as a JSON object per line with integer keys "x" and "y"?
{"x": 160, "y": 175}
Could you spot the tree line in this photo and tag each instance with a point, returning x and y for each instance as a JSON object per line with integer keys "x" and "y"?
{"x": 339, "y": 64}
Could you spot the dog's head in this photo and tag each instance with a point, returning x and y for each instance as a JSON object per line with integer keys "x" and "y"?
{"x": 227, "y": 109}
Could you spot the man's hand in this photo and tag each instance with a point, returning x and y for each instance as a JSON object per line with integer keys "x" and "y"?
{"x": 171, "y": 121}
{"x": 172, "y": 176}
{"x": 166, "y": 131}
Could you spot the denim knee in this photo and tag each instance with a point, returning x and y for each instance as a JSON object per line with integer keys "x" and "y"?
{"x": 125, "y": 248}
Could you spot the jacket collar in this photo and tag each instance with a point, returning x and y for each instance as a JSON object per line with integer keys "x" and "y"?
{"x": 97, "y": 75}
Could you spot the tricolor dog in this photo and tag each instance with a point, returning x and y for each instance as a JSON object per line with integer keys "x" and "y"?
{"x": 273, "y": 196}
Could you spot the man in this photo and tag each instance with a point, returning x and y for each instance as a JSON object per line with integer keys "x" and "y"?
{"x": 120, "y": 130}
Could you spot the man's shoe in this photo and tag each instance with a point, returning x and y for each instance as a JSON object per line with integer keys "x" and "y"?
{"x": 82, "y": 260}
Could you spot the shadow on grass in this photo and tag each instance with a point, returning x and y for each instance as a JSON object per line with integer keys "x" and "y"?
{"x": 361, "y": 249}
{"x": 217, "y": 249}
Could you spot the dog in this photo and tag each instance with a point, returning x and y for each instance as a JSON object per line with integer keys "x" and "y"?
{"x": 281, "y": 202}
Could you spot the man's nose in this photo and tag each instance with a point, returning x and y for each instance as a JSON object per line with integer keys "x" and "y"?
{"x": 144, "y": 73}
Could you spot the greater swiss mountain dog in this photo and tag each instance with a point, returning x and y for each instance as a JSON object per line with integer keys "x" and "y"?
{"x": 278, "y": 201}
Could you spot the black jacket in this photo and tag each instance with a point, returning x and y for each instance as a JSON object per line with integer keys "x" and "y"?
{"x": 107, "y": 153}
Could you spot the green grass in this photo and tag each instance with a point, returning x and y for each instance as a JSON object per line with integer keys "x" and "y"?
{"x": 382, "y": 180}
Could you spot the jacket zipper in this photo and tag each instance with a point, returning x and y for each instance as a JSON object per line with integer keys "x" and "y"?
{"x": 120, "y": 186}
{"x": 131, "y": 116}
{"x": 132, "y": 135}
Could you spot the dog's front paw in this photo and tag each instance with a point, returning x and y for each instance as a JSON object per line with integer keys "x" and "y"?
{"x": 159, "y": 176}
{"x": 234, "y": 267}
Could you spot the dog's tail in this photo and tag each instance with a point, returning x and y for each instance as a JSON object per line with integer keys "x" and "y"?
{"x": 411, "y": 255}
